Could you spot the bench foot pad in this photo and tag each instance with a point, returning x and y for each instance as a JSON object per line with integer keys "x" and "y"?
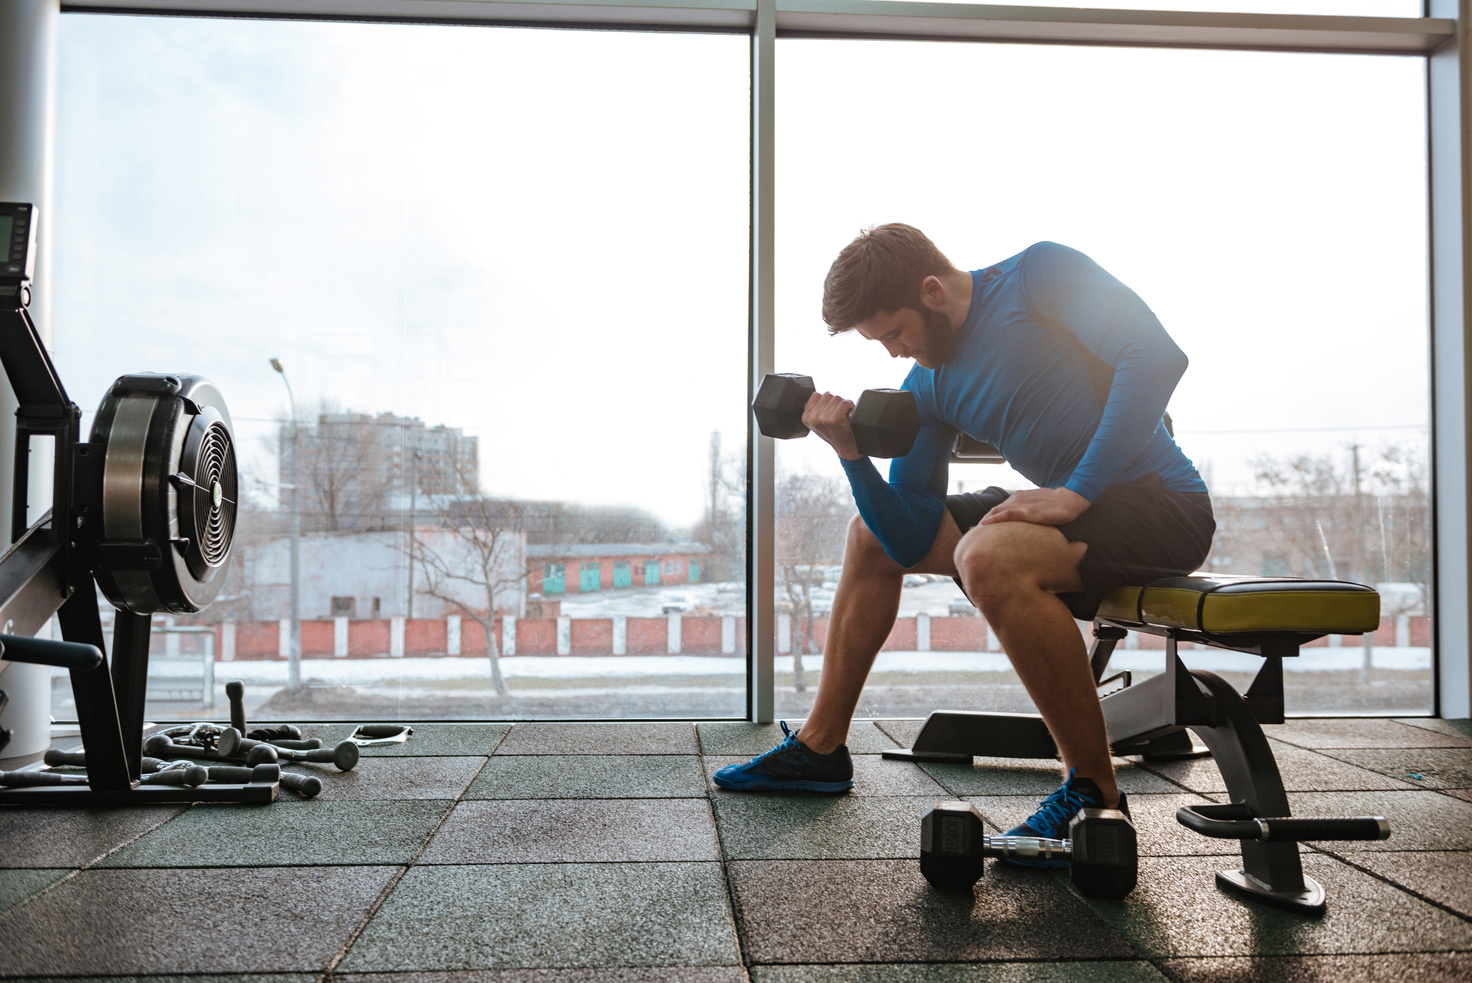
{"x": 1309, "y": 901}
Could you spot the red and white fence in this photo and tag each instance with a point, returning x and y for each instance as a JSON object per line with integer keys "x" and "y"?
{"x": 673, "y": 634}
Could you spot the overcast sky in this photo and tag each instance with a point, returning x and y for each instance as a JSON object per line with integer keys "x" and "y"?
{"x": 541, "y": 236}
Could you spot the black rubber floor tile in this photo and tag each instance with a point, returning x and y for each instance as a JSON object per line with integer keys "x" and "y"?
{"x": 883, "y": 911}
{"x": 388, "y": 779}
{"x": 589, "y": 776}
{"x": 1455, "y": 728}
{"x": 1360, "y": 732}
{"x": 108, "y": 922}
{"x": 746, "y": 740}
{"x": 193, "y": 978}
{"x": 1445, "y": 878}
{"x": 550, "y": 916}
{"x": 605, "y": 974}
{"x": 1418, "y": 820}
{"x": 1156, "y": 829}
{"x": 613, "y": 738}
{"x": 1414, "y": 767}
{"x": 530, "y": 831}
{"x": 1133, "y": 971}
{"x": 1177, "y": 910}
{"x": 873, "y": 775}
{"x": 901, "y": 732}
{"x": 428, "y": 740}
{"x": 1301, "y": 770}
{"x": 754, "y": 827}
{"x": 1396, "y": 967}
{"x": 1035, "y": 777}
{"x": 72, "y": 837}
{"x": 18, "y": 885}
{"x": 309, "y": 834}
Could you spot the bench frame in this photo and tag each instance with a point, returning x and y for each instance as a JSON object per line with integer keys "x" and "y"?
{"x": 1155, "y": 719}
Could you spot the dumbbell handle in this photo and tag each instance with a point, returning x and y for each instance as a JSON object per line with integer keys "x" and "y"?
{"x": 1026, "y": 847}
{"x": 22, "y": 779}
{"x": 234, "y": 775}
{"x": 344, "y": 755}
{"x": 235, "y": 691}
{"x": 78, "y": 759}
{"x": 193, "y": 776}
{"x": 304, "y": 785}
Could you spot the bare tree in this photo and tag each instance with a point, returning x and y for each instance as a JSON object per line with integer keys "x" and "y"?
{"x": 812, "y": 519}
{"x": 1364, "y": 516}
{"x": 723, "y": 526}
{"x": 475, "y": 555}
{"x": 345, "y": 480}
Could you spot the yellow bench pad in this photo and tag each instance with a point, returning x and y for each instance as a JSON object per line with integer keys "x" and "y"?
{"x": 1247, "y": 605}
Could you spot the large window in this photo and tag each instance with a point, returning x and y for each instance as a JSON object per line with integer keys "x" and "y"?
{"x": 1271, "y": 208}
{"x": 456, "y": 284}
{"x": 487, "y": 261}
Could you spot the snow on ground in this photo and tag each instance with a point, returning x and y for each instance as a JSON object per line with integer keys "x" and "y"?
{"x": 367, "y": 672}
{"x": 933, "y": 598}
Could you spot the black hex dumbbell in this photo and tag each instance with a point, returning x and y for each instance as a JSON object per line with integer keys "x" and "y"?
{"x": 1101, "y": 850}
{"x": 885, "y": 421}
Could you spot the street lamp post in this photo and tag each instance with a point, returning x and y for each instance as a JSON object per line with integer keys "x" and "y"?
{"x": 294, "y": 645}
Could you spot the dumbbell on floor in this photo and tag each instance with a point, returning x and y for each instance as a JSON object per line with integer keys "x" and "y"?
{"x": 344, "y": 754}
{"x": 884, "y": 421}
{"x": 1102, "y": 853}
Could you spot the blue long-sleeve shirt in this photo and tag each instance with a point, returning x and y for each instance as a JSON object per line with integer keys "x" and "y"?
{"x": 1059, "y": 366}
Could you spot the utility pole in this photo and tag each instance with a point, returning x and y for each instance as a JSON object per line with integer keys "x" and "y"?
{"x": 294, "y": 645}
{"x": 413, "y": 521}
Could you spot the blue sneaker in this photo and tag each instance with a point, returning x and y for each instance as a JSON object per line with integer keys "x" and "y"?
{"x": 791, "y": 767}
{"x": 1052, "y": 818}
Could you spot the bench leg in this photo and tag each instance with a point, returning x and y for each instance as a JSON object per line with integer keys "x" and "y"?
{"x": 1271, "y": 872}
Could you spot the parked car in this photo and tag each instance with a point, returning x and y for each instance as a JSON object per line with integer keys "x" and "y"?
{"x": 676, "y": 604}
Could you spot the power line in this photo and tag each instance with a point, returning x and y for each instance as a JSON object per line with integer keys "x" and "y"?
{"x": 1394, "y": 426}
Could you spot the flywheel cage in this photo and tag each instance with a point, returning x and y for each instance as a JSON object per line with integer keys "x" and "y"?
{"x": 169, "y": 492}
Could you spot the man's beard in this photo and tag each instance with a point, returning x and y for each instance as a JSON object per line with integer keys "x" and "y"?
{"x": 940, "y": 339}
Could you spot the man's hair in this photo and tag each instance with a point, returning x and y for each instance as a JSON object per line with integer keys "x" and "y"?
{"x": 881, "y": 270}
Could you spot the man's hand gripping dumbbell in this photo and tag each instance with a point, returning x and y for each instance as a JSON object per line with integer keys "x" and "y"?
{"x": 1102, "y": 853}
{"x": 884, "y": 422}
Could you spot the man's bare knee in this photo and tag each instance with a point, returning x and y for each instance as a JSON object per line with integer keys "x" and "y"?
{"x": 1000, "y": 560}
{"x": 983, "y": 569}
{"x": 863, "y": 550}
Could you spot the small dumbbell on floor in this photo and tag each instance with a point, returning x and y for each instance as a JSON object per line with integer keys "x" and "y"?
{"x": 344, "y": 755}
{"x": 885, "y": 422}
{"x": 1102, "y": 852}
{"x": 264, "y": 774}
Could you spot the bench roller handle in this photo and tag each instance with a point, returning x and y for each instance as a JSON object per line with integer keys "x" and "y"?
{"x": 45, "y": 652}
{"x": 1233, "y": 822}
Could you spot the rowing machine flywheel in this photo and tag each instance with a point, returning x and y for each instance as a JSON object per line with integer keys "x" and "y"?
{"x": 168, "y": 492}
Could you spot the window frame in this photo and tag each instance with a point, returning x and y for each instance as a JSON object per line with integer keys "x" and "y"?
{"x": 1439, "y": 38}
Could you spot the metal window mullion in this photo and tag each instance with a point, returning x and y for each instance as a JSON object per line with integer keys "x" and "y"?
{"x": 1448, "y": 119}
{"x": 761, "y": 457}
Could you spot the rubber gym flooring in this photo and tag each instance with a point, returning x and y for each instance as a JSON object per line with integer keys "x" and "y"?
{"x": 564, "y": 853}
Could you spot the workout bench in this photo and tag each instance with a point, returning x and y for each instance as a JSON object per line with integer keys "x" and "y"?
{"x": 1270, "y": 617}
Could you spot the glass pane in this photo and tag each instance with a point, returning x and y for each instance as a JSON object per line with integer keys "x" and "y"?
{"x": 1327, "y": 8}
{"x": 1270, "y": 208}
{"x": 487, "y": 260}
